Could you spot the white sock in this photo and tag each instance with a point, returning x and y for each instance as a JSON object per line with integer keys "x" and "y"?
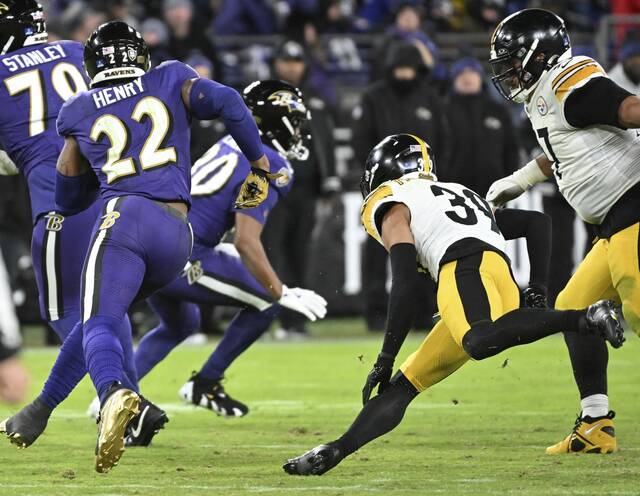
{"x": 596, "y": 405}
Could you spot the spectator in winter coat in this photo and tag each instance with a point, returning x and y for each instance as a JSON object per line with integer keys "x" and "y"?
{"x": 483, "y": 138}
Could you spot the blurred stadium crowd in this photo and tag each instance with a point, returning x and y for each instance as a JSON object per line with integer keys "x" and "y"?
{"x": 367, "y": 68}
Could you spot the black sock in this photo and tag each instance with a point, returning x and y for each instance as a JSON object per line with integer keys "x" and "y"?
{"x": 379, "y": 416}
{"x": 521, "y": 326}
{"x": 589, "y": 360}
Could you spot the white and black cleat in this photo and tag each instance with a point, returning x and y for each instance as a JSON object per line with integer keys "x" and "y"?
{"x": 603, "y": 317}
{"x": 210, "y": 394}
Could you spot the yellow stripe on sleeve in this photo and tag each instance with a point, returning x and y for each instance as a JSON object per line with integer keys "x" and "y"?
{"x": 573, "y": 67}
{"x": 581, "y": 75}
{"x": 371, "y": 204}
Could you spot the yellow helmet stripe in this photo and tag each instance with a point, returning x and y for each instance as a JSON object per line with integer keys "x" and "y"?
{"x": 425, "y": 152}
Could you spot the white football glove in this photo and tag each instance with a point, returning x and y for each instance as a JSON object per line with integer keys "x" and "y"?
{"x": 510, "y": 187}
{"x": 503, "y": 190}
{"x": 7, "y": 167}
{"x": 307, "y": 302}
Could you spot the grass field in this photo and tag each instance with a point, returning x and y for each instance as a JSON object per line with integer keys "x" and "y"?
{"x": 482, "y": 431}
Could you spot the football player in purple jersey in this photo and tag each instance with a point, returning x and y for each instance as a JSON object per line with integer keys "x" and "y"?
{"x": 37, "y": 77}
{"x": 128, "y": 139}
{"x": 238, "y": 275}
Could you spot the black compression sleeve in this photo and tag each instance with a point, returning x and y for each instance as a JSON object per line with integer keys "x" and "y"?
{"x": 597, "y": 102}
{"x": 535, "y": 227}
{"x": 403, "y": 297}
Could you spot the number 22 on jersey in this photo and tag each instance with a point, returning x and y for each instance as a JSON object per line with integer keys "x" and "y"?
{"x": 151, "y": 155}
{"x": 66, "y": 81}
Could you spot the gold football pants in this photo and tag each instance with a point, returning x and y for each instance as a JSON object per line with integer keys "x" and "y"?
{"x": 472, "y": 289}
{"x": 610, "y": 271}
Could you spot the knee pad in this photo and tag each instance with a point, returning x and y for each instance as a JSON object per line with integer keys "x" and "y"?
{"x": 474, "y": 342}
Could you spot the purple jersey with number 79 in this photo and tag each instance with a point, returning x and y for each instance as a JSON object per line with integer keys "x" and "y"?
{"x": 136, "y": 135}
{"x": 36, "y": 81}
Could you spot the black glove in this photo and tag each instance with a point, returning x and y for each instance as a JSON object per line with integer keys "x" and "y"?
{"x": 535, "y": 296}
{"x": 379, "y": 376}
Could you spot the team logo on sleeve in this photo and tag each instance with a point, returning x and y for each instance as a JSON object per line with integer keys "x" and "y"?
{"x": 542, "y": 106}
{"x": 109, "y": 220}
{"x": 54, "y": 221}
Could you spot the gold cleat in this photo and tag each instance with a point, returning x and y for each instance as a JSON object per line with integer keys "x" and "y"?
{"x": 115, "y": 416}
{"x": 589, "y": 435}
{"x": 14, "y": 437}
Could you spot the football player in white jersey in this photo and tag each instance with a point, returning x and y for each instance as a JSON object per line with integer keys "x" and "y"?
{"x": 586, "y": 126}
{"x": 452, "y": 233}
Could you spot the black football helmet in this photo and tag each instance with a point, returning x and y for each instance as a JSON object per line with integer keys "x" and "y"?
{"x": 113, "y": 52}
{"x": 281, "y": 116}
{"x": 21, "y": 24}
{"x": 394, "y": 157}
{"x": 523, "y": 47}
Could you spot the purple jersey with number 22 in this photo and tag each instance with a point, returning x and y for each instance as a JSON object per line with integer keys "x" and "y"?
{"x": 136, "y": 135}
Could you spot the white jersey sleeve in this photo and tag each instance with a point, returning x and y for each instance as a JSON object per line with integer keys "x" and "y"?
{"x": 594, "y": 166}
{"x": 442, "y": 214}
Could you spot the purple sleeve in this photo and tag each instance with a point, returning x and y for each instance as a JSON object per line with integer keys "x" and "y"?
{"x": 62, "y": 123}
{"x": 210, "y": 100}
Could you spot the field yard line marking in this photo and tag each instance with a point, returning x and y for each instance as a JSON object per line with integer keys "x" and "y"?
{"x": 250, "y": 488}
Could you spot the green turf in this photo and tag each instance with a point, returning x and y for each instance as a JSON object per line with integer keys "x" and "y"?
{"x": 482, "y": 431}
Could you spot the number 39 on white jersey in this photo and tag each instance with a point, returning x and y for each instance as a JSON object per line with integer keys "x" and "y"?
{"x": 441, "y": 215}
{"x": 594, "y": 166}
